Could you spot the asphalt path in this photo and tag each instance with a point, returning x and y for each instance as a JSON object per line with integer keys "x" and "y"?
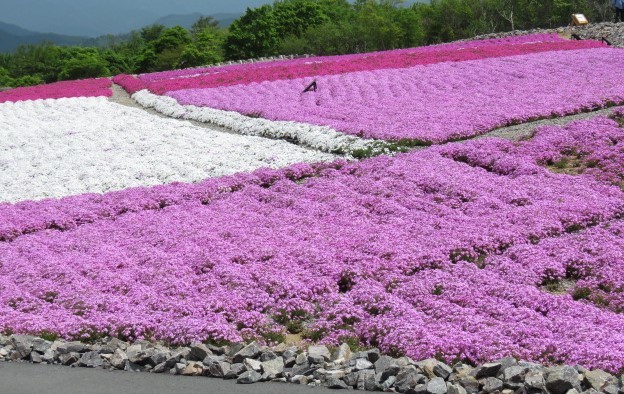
{"x": 25, "y": 378}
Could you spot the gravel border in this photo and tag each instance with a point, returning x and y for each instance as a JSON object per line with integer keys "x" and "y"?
{"x": 318, "y": 365}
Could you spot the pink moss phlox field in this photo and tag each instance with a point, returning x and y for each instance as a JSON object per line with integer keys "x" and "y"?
{"x": 433, "y": 103}
{"x": 250, "y": 73}
{"x": 378, "y": 250}
{"x": 590, "y": 148}
{"x": 587, "y": 265}
{"x": 130, "y": 83}
{"x": 459, "y": 47}
{"x": 28, "y": 217}
{"x": 81, "y": 88}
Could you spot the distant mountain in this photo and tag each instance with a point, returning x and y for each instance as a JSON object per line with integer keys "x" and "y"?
{"x": 14, "y": 30}
{"x": 12, "y": 36}
{"x": 187, "y": 20}
{"x": 93, "y": 18}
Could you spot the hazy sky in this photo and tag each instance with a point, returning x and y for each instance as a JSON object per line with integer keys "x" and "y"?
{"x": 98, "y": 17}
{"x": 95, "y": 17}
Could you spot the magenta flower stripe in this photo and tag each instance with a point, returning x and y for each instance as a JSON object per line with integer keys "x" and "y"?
{"x": 273, "y": 71}
{"x": 526, "y": 41}
{"x": 433, "y": 103}
{"x": 81, "y": 88}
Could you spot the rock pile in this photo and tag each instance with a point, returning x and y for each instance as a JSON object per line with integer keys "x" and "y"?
{"x": 317, "y": 366}
{"x": 612, "y": 32}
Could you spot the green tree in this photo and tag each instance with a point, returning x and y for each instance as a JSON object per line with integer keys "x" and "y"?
{"x": 205, "y": 49}
{"x": 84, "y": 66}
{"x": 5, "y": 78}
{"x": 254, "y": 34}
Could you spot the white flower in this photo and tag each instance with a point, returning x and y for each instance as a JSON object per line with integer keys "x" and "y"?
{"x": 323, "y": 138}
{"x": 56, "y": 148}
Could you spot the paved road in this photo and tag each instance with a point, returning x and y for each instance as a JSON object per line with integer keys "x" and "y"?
{"x": 22, "y": 378}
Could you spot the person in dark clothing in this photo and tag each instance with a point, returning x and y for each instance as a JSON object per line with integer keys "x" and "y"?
{"x": 619, "y": 10}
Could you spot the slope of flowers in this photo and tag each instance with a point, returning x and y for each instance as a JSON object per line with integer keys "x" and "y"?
{"x": 433, "y": 103}
{"x": 28, "y": 217}
{"x": 590, "y": 148}
{"x": 587, "y": 264}
{"x": 354, "y": 58}
{"x": 55, "y": 148}
{"x": 371, "y": 250}
{"x": 591, "y": 260}
{"x": 81, "y": 88}
{"x": 316, "y": 67}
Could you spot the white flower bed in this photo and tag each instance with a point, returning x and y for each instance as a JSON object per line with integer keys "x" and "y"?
{"x": 323, "y": 138}
{"x": 55, "y": 148}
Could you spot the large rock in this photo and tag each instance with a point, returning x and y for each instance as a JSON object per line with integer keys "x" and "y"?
{"x": 561, "y": 379}
{"x": 73, "y": 347}
{"x": 119, "y": 359}
{"x": 408, "y": 378}
{"x": 487, "y": 370}
{"x": 598, "y": 379}
{"x": 235, "y": 371}
{"x": 366, "y": 380}
{"x": 386, "y": 366}
{"x": 158, "y": 357}
{"x": 69, "y": 358}
{"x": 198, "y": 352}
{"x": 362, "y": 363}
{"x": 160, "y": 368}
{"x": 436, "y": 386}
{"x": 219, "y": 369}
{"x": 193, "y": 369}
{"x": 268, "y": 355}
{"x": 470, "y": 384}
{"x": 272, "y": 369}
{"x": 250, "y": 351}
{"x": 249, "y": 377}
{"x": 40, "y": 345}
{"x": 318, "y": 354}
{"x": 491, "y": 385}
{"x": 35, "y": 357}
{"x": 91, "y": 360}
{"x": 535, "y": 380}
{"x": 337, "y": 384}
{"x": 434, "y": 368}
{"x": 514, "y": 374}
{"x": 373, "y": 355}
{"x": 252, "y": 365}
{"x": 50, "y": 356}
{"x": 455, "y": 389}
{"x": 23, "y": 345}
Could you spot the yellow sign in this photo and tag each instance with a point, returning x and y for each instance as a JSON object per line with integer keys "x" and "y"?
{"x": 579, "y": 20}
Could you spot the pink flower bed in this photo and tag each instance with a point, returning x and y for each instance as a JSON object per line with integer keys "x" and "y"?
{"x": 433, "y": 103}
{"x": 129, "y": 83}
{"x": 81, "y": 88}
{"x": 590, "y": 148}
{"x": 374, "y": 250}
{"x": 459, "y": 47}
{"x": 590, "y": 261}
{"x": 248, "y": 74}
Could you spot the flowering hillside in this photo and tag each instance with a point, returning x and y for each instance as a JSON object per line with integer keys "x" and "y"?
{"x": 117, "y": 221}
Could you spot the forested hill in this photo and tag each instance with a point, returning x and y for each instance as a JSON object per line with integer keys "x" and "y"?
{"x": 12, "y": 36}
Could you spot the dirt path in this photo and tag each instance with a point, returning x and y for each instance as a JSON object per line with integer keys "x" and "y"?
{"x": 525, "y": 130}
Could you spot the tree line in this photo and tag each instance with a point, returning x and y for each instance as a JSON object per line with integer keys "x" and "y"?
{"x": 322, "y": 27}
